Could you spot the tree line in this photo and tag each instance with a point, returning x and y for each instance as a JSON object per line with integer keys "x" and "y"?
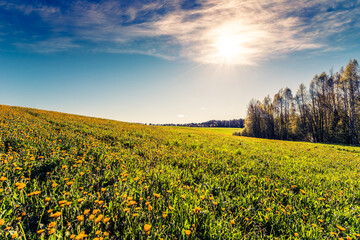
{"x": 234, "y": 123}
{"x": 328, "y": 111}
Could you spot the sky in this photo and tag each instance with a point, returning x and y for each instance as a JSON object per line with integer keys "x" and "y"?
{"x": 174, "y": 61}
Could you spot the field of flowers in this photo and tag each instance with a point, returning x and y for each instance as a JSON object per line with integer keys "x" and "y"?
{"x": 72, "y": 177}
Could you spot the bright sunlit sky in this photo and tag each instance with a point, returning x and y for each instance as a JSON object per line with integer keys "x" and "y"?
{"x": 173, "y": 61}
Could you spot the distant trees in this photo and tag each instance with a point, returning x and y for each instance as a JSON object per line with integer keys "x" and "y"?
{"x": 234, "y": 123}
{"x": 328, "y": 112}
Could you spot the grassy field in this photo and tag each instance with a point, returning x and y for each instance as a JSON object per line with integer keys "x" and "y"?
{"x": 219, "y": 130}
{"x": 71, "y": 177}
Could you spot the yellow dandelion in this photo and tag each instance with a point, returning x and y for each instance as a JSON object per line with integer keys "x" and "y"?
{"x": 20, "y": 185}
{"x": 2, "y": 221}
{"x": 147, "y": 227}
{"x": 40, "y": 231}
{"x": 95, "y": 211}
{"x": 80, "y": 218}
{"x": 55, "y": 215}
{"x": 52, "y": 224}
{"x": 340, "y": 228}
{"x": 86, "y": 211}
{"x": 81, "y": 236}
{"x": 187, "y": 232}
{"x": 98, "y": 219}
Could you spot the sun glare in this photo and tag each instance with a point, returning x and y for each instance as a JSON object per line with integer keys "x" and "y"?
{"x": 227, "y": 49}
{"x": 231, "y": 49}
{"x": 234, "y": 43}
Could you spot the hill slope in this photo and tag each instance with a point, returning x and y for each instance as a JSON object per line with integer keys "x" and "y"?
{"x": 69, "y": 176}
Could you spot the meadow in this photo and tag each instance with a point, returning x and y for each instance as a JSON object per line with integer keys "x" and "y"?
{"x": 72, "y": 177}
{"x": 219, "y": 130}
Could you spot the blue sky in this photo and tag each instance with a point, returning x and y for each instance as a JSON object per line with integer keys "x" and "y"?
{"x": 168, "y": 61}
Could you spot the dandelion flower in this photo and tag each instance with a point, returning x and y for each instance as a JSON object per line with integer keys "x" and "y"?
{"x": 98, "y": 219}
{"x": 81, "y": 236}
{"x": 147, "y": 227}
{"x": 340, "y": 228}
{"x": 80, "y": 218}
{"x": 187, "y": 232}
{"x": 20, "y": 185}
{"x": 3, "y": 178}
{"x": 55, "y": 215}
{"x": 52, "y": 224}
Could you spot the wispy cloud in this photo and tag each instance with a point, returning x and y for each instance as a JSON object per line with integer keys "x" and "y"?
{"x": 50, "y": 46}
{"x": 255, "y": 30}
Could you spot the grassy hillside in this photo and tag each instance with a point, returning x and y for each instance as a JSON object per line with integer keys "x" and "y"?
{"x": 220, "y": 130}
{"x": 71, "y": 177}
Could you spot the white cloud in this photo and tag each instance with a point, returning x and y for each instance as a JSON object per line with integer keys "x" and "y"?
{"x": 181, "y": 115}
{"x": 243, "y": 32}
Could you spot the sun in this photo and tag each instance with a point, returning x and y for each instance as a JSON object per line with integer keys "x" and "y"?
{"x": 232, "y": 43}
{"x": 229, "y": 49}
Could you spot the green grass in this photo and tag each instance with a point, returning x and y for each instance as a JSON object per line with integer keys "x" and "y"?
{"x": 111, "y": 179}
{"x": 219, "y": 130}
